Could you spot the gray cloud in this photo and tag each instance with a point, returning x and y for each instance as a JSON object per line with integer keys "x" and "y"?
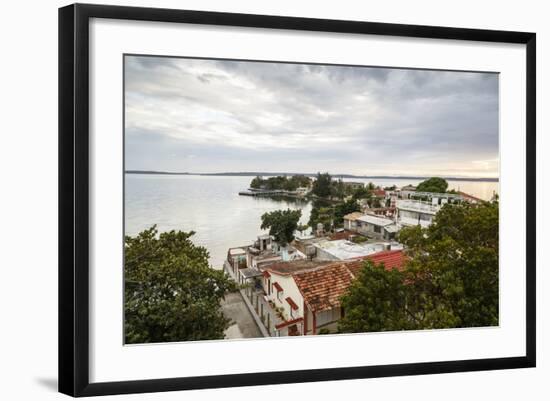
{"x": 217, "y": 115}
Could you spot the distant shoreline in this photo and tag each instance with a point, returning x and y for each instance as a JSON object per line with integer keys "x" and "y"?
{"x": 350, "y": 176}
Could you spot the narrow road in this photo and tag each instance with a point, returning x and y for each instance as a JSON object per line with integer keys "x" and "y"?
{"x": 243, "y": 325}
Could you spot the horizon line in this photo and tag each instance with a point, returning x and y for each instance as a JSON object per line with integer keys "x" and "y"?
{"x": 343, "y": 175}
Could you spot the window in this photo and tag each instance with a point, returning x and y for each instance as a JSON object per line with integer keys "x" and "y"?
{"x": 279, "y": 290}
{"x": 377, "y": 229}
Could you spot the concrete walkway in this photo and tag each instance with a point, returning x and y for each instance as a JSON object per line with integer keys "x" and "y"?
{"x": 244, "y": 325}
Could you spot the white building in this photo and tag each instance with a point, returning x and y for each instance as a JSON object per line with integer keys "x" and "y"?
{"x": 413, "y": 213}
{"x": 307, "y": 293}
{"x": 407, "y": 191}
{"x": 350, "y": 221}
{"x": 344, "y": 249}
{"x": 376, "y": 227}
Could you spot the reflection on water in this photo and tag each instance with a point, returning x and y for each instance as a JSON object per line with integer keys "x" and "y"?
{"x": 211, "y": 207}
{"x": 208, "y": 205}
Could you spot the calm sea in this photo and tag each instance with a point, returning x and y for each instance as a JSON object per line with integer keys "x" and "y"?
{"x": 211, "y": 207}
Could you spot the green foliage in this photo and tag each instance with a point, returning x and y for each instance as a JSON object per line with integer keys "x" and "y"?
{"x": 302, "y": 227}
{"x": 171, "y": 293}
{"x": 367, "y": 193}
{"x": 375, "y": 301}
{"x": 359, "y": 239}
{"x": 450, "y": 280}
{"x": 322, "y": 211}
{"x": 281, "y": 182}
{"x": 341, "y": 209}
{"x": 362, "y": 193}
{"x": 331, "y": 214}
{"x": 338, "y": 189}
{"x": 454, "y": 267}
{"x": 322, "y": 185}
{"x": 281, "y": 224}
{"x": 434, "y": 184}
{"x": 257, "y": 182}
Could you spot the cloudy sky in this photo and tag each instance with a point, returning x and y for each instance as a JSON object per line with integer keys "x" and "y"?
{"x": 219, "y": 116}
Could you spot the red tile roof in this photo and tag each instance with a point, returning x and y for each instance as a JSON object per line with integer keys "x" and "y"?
{"x": 277, "y": 287}
{"x": 291, "y": 303}
{"x": 287, "y": 268}
{"x": 266, "y": 274}
{"x": 469, "y": 197}
{"x": 391, "y": 260}
{"x": 322, "y": 288}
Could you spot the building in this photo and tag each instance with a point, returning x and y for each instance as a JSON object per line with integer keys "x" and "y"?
{"x": 470, "y": 198}
{"x": 376, "y": 227}
{"x": 413, "y": 213}
{"x": 350, "y": 220}
{"x": 407, "y": 191}
{"x": 379, "y": 193}
{"x": 382, "y": 211}
{"x": 265, "y": 251}
{"x": 284, "y": 311}
{"x": 308, "y": 293}
{"x": 344, "y": 249}
{"x": 236, "y": 259}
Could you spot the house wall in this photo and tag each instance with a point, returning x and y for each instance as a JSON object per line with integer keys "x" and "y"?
{"x": 368, "y": 229}
{"x": 328, "y": 319}
{"x": 410, "y": 216}
{"x": 324, "y": 320}
{"x": 324, "y": 255}
{"x": 289, "y": 290}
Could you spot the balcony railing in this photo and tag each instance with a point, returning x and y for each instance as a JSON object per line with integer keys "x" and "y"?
{"x": 418, "y": 206}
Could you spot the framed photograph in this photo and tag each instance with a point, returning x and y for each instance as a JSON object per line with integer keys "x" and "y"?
{"x": 251, "y": 199}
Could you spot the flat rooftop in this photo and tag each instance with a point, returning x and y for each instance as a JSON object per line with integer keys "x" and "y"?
{"x": 343, "y": 249}
{"x": 375, "y": 220}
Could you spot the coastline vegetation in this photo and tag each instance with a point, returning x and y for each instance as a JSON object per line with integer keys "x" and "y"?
{"x": 291, "y": 183}
{"x": 450, "y": 279}
{"x": 171, "y": 293}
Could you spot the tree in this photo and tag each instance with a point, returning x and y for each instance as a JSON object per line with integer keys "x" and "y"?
{"x": 281, "y": 182}
{"x": 362, "y": 193}
{"x": 450, "y": 279}
{"x": 257, "y": 182}
{"x": 434, "y": 184}
{"x": 281, "y": 224}
{"x": 375, "y": 301}
{"x": 453, "y": 271}
{"x": 171, "y": 293}
{"x": 338, "y": 189}
{"x": 322, "y": 185}
{"x": 300, "y": 181}
{"x": 302, "y": 227}
{"x": 322, "y": 212}
{"x": 341, "y": 209}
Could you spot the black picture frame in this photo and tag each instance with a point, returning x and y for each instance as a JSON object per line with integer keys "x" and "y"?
{"x": 74, "y": 198}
